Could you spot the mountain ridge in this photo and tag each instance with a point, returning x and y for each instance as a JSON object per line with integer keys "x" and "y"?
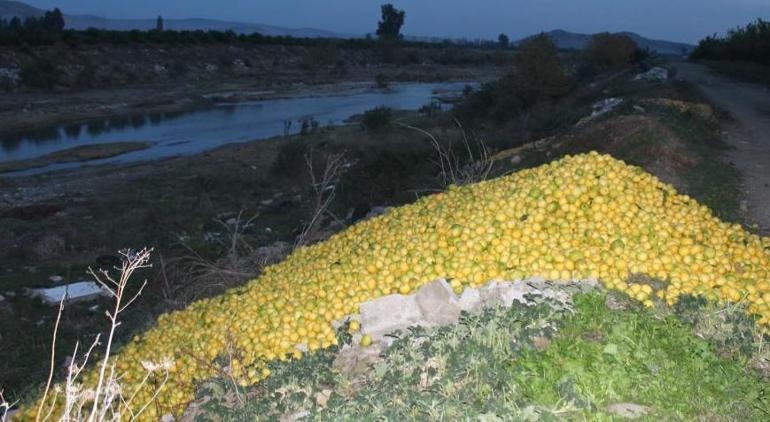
{"x": 578, "y": 41}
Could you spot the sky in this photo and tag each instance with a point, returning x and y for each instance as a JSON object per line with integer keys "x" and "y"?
{"x": 675, "y": 20}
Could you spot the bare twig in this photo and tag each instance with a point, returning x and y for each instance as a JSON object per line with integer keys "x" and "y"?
{"x": 53, "y": 358}
{"x": 5, "y": 407}
{"x": 454, "y": 169}
{"x": 132, "y": 261}
{"x": 324, "y": 188}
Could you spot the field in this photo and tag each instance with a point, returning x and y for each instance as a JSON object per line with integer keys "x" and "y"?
{"x": 218, "y": 219}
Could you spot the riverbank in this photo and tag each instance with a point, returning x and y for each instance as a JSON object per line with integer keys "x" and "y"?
{"x": 77, "y": 154}
{"x": 233, "y": 121}
{"x": 234, "y": 75}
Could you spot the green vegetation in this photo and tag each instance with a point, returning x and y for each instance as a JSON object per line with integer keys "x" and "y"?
{"x": 377, "y": 118}
{"x": 611, "y": 51}
{"x": 389, "y": 28}
{"x": 37, "y": 31}
{"x": 540, "y": 76}
{"x": 531, "y": 363}
{"x": 750, "y": 43}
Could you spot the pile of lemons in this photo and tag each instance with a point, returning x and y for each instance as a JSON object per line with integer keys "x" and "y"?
{"x": 586, "y": 216}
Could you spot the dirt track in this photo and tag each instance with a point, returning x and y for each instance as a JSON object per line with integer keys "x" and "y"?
{"x": 749, "y": 134}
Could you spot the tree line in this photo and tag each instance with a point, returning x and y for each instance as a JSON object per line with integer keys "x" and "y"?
{"x": 750, "y": 43}
{"x": 50, "y": 30}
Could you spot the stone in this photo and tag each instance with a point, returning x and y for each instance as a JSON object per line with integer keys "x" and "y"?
{"x": 376, "y": 211}
{"x": 55, "y": 279}
{"x": 656, "y": 74}
{"x": 322, "y": 398}
{"x": 353, "y": 362}
{"x": 438, "y": 303}
{"x": 628, "y": 410}
{"x": 470, "y": 300}
{"x": 507, "y": 293}
{"x": 389, "y": 313}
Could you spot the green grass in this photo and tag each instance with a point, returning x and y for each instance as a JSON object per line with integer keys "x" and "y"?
{"x": 522, "y": 363}
{"x": 713, "y": 181}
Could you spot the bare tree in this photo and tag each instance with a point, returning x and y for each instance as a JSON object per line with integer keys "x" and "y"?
{"x": 324, "y": 186}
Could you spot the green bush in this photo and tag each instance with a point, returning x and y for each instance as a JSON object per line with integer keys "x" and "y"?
{"x": 539, "y": 76}
{"x": 377, "y": 118}
{"x": 611, "y": 51}
{"x": 750, "y": 43}
{"x": 290, "y": 160}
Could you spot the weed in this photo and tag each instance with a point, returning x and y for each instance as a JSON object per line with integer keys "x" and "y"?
{"x": 377, "y": 118}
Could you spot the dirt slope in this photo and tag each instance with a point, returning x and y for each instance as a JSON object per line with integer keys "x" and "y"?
{"x": 749, "y": 133}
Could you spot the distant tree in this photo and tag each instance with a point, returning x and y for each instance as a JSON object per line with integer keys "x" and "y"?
{"x": 503, "y": 41}
{"x": 53, "y": 21}
{"x": 539, "y": 70}
{"x": 15, "y": 24}
{"x": 611, "y": 51}
{"x": 159, "y": 24}
{"x": 389, "y": 28}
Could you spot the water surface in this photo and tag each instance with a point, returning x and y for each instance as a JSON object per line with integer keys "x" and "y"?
{"x": 186, "y": 133}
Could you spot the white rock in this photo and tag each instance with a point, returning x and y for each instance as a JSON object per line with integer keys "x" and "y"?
{"x": 507, "y": 293}
{"x": 438, "y": 303}
{"x": 82, "y": 290}
{"x": 629, "y": 410}
{"x": 654, "y": 74}
{"x": 470, "y": 300}
{"x": 55, "y": 279}
{"x": 389, "y": 313}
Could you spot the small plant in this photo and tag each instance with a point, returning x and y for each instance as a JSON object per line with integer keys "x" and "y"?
{"x": 107, "y": 400}
{"x": 287, "y": 128}
{"x": 381, "y": 81}
{"x": 471, "y": 164}
{"x": 377, "y": 118}
{"x": 431, "y": 109}
{"x": 307, "y": 125}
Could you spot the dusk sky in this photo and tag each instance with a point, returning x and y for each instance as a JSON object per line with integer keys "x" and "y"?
{"x": 676, "y": 20}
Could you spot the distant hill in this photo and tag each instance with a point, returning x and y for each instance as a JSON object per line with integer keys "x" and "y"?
{"x": 9, "y": 9}
{"x": 575, "y": 41}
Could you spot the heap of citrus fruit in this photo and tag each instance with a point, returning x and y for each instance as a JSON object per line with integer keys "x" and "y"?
{"x": 586, "y": 216}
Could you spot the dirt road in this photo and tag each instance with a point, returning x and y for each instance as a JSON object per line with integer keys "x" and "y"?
{"x": 749, "y": 134}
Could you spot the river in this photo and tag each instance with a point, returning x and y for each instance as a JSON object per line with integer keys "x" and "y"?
{"x": 192, "y": 132}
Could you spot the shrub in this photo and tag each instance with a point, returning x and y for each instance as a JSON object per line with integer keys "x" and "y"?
{"x": 539, "y": 76}
{"x": 290, "y": 160}
{"x": 611, "y": 51}
{"x": 749, "y": 43}
{"x": 381, "y": 81}
{"x": 377, "y": 118}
